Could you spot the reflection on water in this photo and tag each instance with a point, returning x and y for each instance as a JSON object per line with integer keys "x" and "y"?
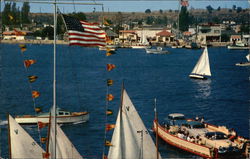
{"x": 203, "y": 88}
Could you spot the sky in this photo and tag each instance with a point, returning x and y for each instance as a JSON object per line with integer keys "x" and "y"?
{"x": 136, "y": 5}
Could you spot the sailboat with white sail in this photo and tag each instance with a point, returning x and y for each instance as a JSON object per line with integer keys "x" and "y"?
{"x": 58, "y": 144}
{"x": 202, "y": 68}
{"x": 245, "y": 63}
{"x": 143, "y": 43}
{"x": 21, "y": 144}
{"x": 130, "y": 138}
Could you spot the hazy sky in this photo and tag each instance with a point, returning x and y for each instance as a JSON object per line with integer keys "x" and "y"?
{"x": 138, "y": 5}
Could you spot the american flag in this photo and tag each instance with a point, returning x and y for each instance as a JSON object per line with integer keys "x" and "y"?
{"x": 84, "y": 33}
{"x": 184, "y": 3}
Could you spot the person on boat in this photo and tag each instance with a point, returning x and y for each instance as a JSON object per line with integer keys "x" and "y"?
{"x": 192, "y": 139}
{"x": 197, "y": 118}
{"x": 202, "y": 120}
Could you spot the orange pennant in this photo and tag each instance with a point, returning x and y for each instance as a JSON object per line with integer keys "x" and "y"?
{"x": 110, "y": 126}
{"x": 35, "y": 94}
{"x": 27, "y": 63}
{"x": 110, "y": 97}
{"x": 41, "y": 124}
{"x": 46, "y": 155}
{"x": 110, "y": 67}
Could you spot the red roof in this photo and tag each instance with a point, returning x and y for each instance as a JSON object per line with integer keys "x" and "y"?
{"x": 235, "y": 37}
{"x": 187, "y": 33}
{"x": 164, "y": 33}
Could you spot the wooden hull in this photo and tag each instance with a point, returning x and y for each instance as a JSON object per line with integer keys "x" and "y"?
{"x": 191, "y": 147}
{"x": 66, "y": 119}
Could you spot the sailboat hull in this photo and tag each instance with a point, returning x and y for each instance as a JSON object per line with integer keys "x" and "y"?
{"x": 243, "y": 64}
{"x": 78, "y": 117}
{"x": 197, "y": 76}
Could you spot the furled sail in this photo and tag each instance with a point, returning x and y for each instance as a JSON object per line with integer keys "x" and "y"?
{"x": 131, "y": 139}
{"x": 202, "y": 67}
{"x": 64, "y": 148}
{"x": 22, "y": 145}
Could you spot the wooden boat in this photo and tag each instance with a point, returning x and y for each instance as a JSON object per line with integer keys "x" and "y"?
{"x": 200, "y": 138}
{"x": 158, "y": 50}
{"x": 202, "y": 68}
{"x": 244, "y": 63}
{"x": 63, "y": 117}
{"x": 131, "y": 139}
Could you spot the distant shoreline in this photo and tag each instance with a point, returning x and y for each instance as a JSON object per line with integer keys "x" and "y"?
{"x": 62, "y": 42}
{"x": 33, "y": 42}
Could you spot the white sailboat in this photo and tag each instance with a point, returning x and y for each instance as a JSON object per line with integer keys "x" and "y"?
{"x": 245, "y": 63}
{"x": 131, "y": 139}
{"x": 21, "y": 144}
{"x": 202, "y": 68}
{"x": 61, "y": 147}
{"x": 143, "y": 44}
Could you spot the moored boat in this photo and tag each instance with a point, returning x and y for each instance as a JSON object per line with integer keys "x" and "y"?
{"x": 63, "y": 117}
{"x": 200, "y": 138}
{"x": 158, "y": 50}
{"x": 140, "y": 46}
{"x": 238, "y": 46}
{"x": 244, "y": 63}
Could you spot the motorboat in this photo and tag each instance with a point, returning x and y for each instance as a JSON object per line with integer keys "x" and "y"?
{"x": 158, "y": 50}
{"x": 63, "y": 117}
{"x": 201, "y": 138}
{"x": 238, "y": 46}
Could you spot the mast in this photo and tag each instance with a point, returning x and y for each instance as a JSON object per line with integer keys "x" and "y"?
{"x": 156, "y": 132}
{"x": 9, "y": 139}
{"x": 54, "y": 81}
{"x": 120, "y": 115}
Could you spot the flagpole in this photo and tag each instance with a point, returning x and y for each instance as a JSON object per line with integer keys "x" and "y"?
{"x": 54, "y": 81}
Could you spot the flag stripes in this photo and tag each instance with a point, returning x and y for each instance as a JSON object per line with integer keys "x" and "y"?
{"x": 84, "y": 33}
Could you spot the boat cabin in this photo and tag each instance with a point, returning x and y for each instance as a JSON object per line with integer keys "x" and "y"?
{"x": 176, "y": 116}
{"x": 216, "y": 136}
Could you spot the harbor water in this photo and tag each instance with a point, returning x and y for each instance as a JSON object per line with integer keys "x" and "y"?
{"x": 223, "y": 99}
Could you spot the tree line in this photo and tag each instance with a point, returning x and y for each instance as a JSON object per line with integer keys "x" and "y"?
{"x": 13, "y": 15}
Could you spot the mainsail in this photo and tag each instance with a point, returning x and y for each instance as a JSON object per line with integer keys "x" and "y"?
{"x": 64, "y": 149}
{"x": 22, "y": 145}
{"x": 248, "y": 57}
{"x": 131, "y": 139}
{"x": 202, "y": 67}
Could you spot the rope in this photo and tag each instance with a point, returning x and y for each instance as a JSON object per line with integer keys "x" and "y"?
{"x": 33, "y": 99}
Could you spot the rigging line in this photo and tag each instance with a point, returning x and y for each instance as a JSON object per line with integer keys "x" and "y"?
{"x": 106, "y": 121}
{"x": 74, "y": 5}
{"x": 33, "y": 99}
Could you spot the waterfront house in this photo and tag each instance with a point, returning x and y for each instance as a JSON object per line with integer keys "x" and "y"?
{"x": 164, "y": 37}
{"x": 209, "y": 33}
{"x": 127, "y": 36}
{"x": 235, "y": 38}
{"x": 17, "y": 35}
